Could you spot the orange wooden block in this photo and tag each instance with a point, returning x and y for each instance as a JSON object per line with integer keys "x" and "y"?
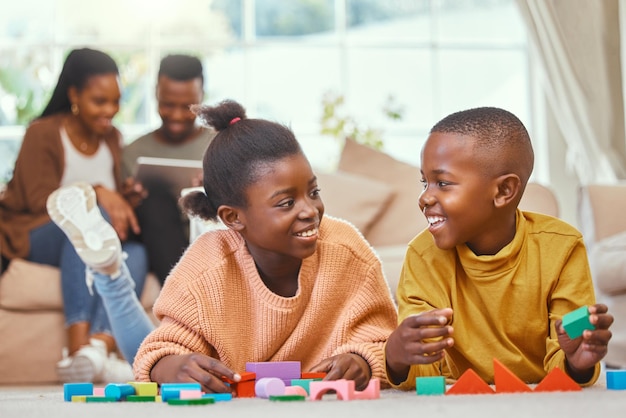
{"x": 506, "y": 381}
{"x": 469, "y": 383}
{"x": 245, "y": 387}
{"x": 557, "y": 381}
{"x": 313, "y": 375}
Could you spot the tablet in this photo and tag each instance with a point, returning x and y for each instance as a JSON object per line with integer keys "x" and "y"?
{"x": 174, "y": 173}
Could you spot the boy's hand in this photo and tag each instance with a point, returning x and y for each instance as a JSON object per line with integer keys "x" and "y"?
{"x": 189, "y": 368}
{"x": 584, "y": 352}
{"x": 346, "y": 366}
{"x": 406, "y": 345}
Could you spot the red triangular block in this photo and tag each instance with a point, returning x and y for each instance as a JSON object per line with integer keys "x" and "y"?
{"x": 506, "y": 381}
{"x": 557, "y": 381}
{"x": 469, "y": 383}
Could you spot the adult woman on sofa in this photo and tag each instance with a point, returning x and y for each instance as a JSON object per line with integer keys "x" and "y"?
{"x": 74, "y": 139}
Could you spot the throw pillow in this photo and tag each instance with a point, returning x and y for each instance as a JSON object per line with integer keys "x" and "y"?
{"x": 357, "y": 199}
{"x": 608, "y": 264}
{"x": 402, "y": 219}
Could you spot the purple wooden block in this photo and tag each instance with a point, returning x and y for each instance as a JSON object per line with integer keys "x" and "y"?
{"x": 269, "y": 386}
{"x": 285, "y": 370}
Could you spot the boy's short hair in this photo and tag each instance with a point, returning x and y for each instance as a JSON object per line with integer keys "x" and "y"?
{"x": 499, "y": 135}
{"x": 181, "y": 67}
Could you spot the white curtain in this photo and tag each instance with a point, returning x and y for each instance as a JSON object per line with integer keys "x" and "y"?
{"x": 578, "y": 43}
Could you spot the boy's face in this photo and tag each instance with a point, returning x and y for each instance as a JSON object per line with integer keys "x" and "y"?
{"x": 458, "y": 195}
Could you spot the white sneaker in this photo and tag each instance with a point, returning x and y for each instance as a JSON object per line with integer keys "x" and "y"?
{"x": 74, "y": 209}
{"x": 85, "y": 365}
{"x": 116, "y": 370}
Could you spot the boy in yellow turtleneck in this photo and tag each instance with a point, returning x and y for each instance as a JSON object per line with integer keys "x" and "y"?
{"x": 487, "y": 280}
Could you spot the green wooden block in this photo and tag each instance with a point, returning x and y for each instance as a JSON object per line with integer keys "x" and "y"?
{"x": 303, "y": 383}
{"x": 287, "y": 398}
{"x": 198, "y": 401}
{"x": 576, "y": 322}
{"x": 431, "y": 385}
{"x": 90, "y": 399}
{"x": 141, "y": 398}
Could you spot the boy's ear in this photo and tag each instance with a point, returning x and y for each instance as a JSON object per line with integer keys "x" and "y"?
{"x": 230, "y": 217}
{"x": 509, "y": 188}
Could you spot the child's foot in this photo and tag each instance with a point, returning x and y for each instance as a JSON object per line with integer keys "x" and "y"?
{"x": 75, "y": 210}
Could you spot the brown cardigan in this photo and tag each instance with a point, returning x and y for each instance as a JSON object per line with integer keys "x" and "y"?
{"x": 38, "y": 172}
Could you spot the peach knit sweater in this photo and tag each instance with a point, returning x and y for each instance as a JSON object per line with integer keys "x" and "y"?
{"x": 215, "y": 303}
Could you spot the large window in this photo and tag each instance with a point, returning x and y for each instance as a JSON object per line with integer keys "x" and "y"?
{"x": 280, "y": 59}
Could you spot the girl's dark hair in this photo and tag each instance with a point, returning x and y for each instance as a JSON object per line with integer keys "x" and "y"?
{"x": 232, "y": 159}
{"x": 79, "y": 66}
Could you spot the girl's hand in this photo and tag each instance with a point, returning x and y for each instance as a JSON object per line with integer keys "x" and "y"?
{"x": 348, "y": 366}
{"x": 190, "y": 368}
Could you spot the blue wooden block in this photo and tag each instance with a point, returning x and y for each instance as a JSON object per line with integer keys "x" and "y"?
{"x": 616, "y": 379}
{"x": 172, "y": 390}
{"x": 71, "y": 389}
{"x": 431, "y": 385}
{"x": 219, "y": 397}
{"x": 119, "y": 391}
{"x": 576, "y": 322}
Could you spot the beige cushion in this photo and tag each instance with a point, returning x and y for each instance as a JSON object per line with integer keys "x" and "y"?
{"x": 30, "y": 286}
{"x": 601, "y": 210}
{"x": 541, "y": 199}
{"x": 402, "y": 219}
{"x": 608, "y": 264}
{"x": 357, "y": 199}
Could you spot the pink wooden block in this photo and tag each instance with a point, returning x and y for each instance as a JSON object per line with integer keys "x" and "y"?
{"x": 190, "y": 394}
{"x": 372, "y": 391}
{"x": 296, "y": 390}
{"x": 98, "y": 391}
{"x": 344, "y": 389}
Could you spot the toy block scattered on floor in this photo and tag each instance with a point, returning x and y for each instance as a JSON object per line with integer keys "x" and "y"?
{"x": 616, "y": 379}
{"x": 245, "y": 387}
{"x": 557, "y": 381}
{"x": 92, "y": 399}
{"x": 119, "y": 391}
{"x": 296, "y": 390}
{"x": 430, "y": 385}
{"x": 470, "y": 383}
{"x": 269, "y": 386}
{"x": 141, "y": 398}
{"x": 285, "y": 370}
{"x": 79, "y": 398}
{"x": 576, "y": 322}
{"x": 99, "y": 391}
{"x": 304, "y": 383}
{"x": 344, "y": 389}
{"x": 372, "y": 391}
{"x": 172, "y": 390}
{"x": 190, "y": 394}
{"x": 198, "y": 401}
{"x": 79, "y": 388}
{"x": 145, "y": 388}
{"x": 506, "y": 381}
{"x": 219, "y": 397}
{"x": 287, "y": 398}
{"x": 313, "y": 375}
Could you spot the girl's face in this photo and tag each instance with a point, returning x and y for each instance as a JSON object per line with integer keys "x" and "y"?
{"x": 98, "y": 102}
{"x": 284, "y": 211}
{"x": 458, "y": 197}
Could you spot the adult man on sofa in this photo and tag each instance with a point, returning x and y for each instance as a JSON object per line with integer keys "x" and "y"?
{"x": 163, "y": 227}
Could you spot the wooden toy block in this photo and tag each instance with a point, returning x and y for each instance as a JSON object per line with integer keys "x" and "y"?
{"x": 172, "y": 390}
{"x": 269, "y": 386}
{"x": 506, "y": 381}
{"x": 470, "y": 383}
{"x": 141, "y": 398}
{"x": 245, "y": 387}
{"x": 344, "y": 389}
{"x": 616, "y": 379}
{"x": 287, "y": 398}
{"x": 118, "y": 391}
{"x": 576, "y": 322}
{"x": 79, "y": 398}
{"x": 430, "y": 385}
{"x": 372, "y": 391}
{"x": 190, "y": 394}
{"x": 79, "y": 388}
{"x": 285, "y": 370}
{"x": 313, "y": 375}
{"x": 199, "y": 401}
{"x": 145, "y": 388}
{"x": 296, "y": 390}
{"x": 557, "y": 381}
{"x": 99, "y": 391}
{"x": 92, "y": 399}
{"x": 304, "y": 383}
{"x": 219, "y": 397}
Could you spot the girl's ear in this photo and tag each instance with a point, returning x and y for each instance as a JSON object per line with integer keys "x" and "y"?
{"x": 509, "y": 189}
{"x": 230, "y": 217}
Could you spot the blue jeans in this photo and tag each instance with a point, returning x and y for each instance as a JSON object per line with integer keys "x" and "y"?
{"x": 49, "y": 245}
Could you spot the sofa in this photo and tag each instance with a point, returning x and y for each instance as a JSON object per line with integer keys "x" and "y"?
{"x": 372, "y": 190}
{"x": 603, "y": 224}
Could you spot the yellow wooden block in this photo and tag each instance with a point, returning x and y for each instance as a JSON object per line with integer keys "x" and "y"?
{"x": 145, "y": 388}
{"x": 79, "y": 398}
